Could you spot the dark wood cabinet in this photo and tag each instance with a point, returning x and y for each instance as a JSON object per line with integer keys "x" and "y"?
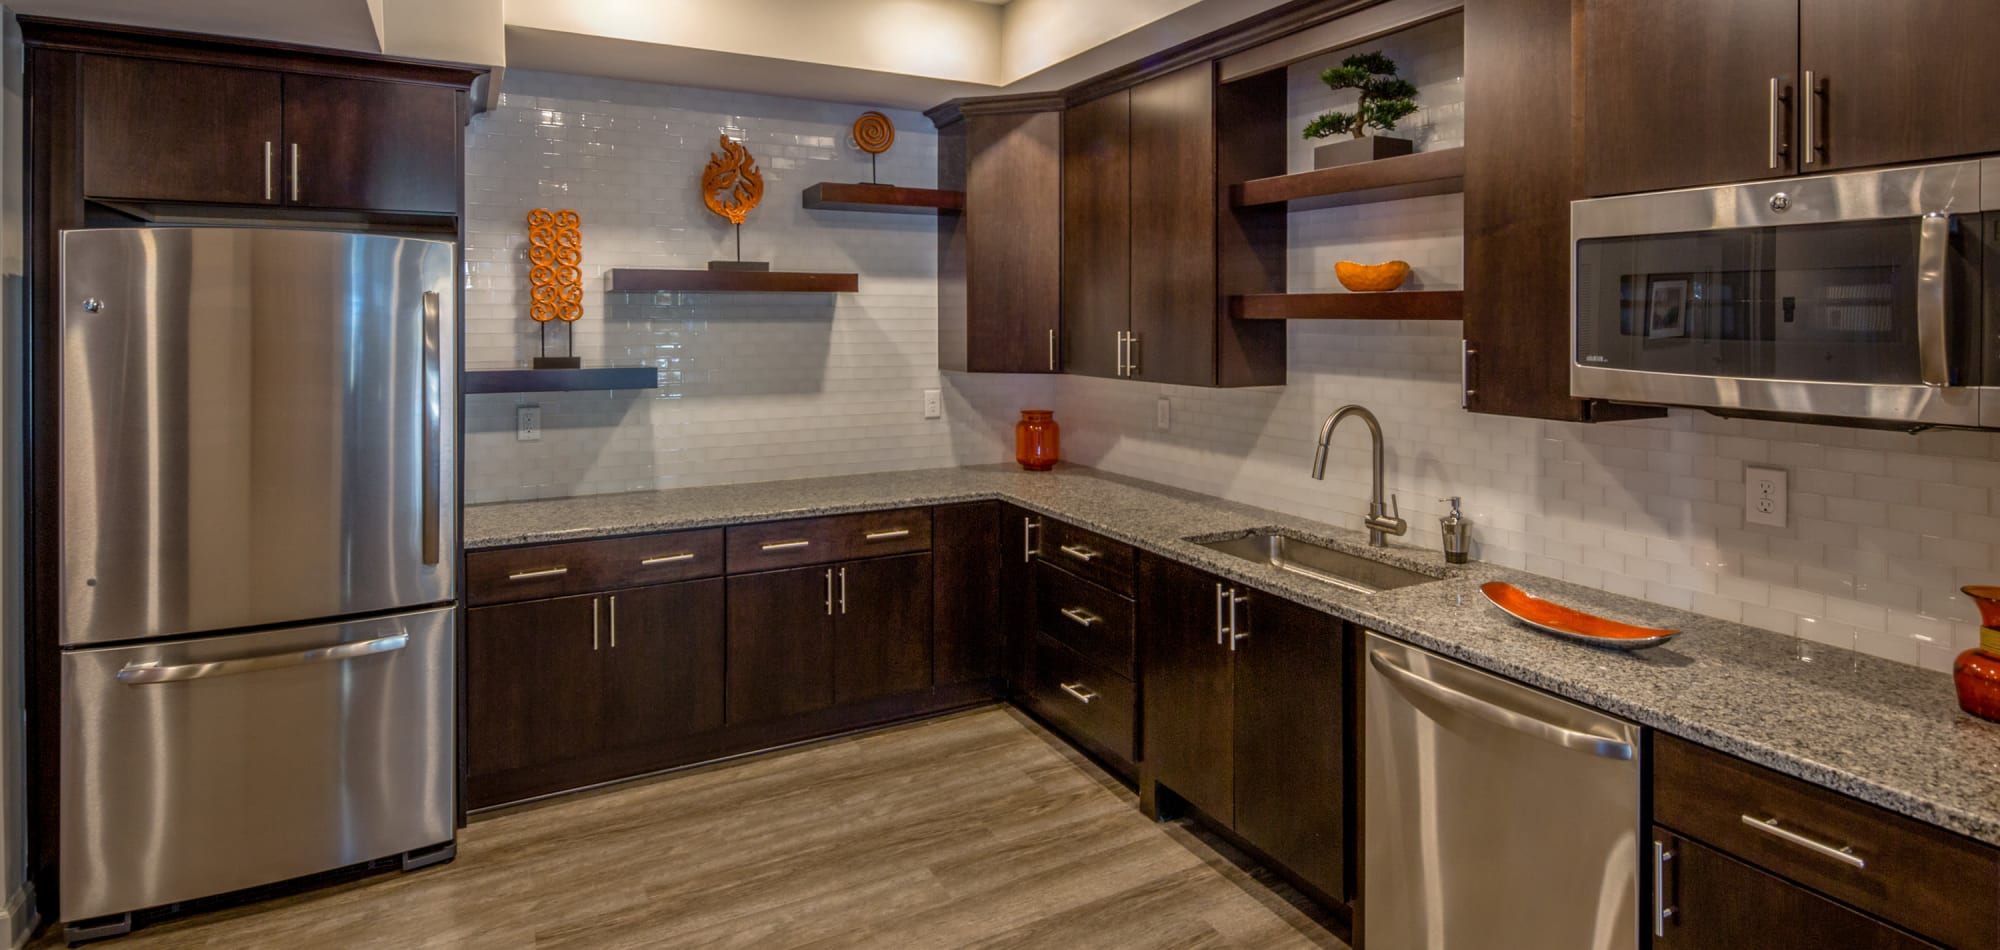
{"x": 882, "y": 627}
{"x": 1020, "y": 540}
{"x": 1174, "y": 307}
{"x": 663, "y": 663}
{"x": 160, "y": 130}
{"x": 1189, "y": 687}
{"x": 1695, "y": 110}
{"x": 780, "y": 632}
{"x": 370, "y": 144}
{"x": 967, "y": 636}
{"x": 1718, "y": 901}
{"x": 1000, "y": 261}
{"x": 1097, "y": 234}
{"x": 1900, "y": 82}
{"x": 533, "y": 673}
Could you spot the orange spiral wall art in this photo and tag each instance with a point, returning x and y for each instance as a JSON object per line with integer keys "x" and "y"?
{"x": 555, "y": 265}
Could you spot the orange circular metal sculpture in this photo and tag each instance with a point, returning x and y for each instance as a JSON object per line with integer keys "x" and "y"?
{"x": 874, "y": 133}
{"x": 555, "y": 277}
{"x": 733, "y": 174}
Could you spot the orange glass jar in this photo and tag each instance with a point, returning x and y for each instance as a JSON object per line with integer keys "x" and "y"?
{"x": 1977, "y": 672}
{"x": 1037, "y": 440}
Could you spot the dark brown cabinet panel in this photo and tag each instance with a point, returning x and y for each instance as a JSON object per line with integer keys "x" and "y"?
{"x": 1092, "y": 706}
{"x": 533, "y": 672}
{"x": 1900, "y": 82}
{"x": 1173, "y": 196}
{"x": 966, "y": 556}
{"x": 1092, "y": 620}
{"x": 1020, "y": 540}
{"x": 881, "y": 627}
{"x": 1719, "y": 902}
{"x": 663, "y": 663}
{"x": 1292, "y": 692}
{"x": 1693, "y": 110}
{"x": 1000, "y": 262}
{"x": 1188, "y": 694}
{"x": 160, "y": 130}
{"x": 368, "y": 144}
{"x": 1097, "y": 234}
{"x": 780, "y": 633}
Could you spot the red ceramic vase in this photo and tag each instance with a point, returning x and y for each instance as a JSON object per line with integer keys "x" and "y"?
{"x": 1977, "y": 672}
{"x": 1037, "y": 440}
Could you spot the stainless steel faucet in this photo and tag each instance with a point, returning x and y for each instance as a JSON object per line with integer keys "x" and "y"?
{"x": 1380, "y": 521}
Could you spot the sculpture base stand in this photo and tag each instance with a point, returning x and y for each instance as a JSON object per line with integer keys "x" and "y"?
{"x": 740, "y": 265}
{"x": 558, "y": 362}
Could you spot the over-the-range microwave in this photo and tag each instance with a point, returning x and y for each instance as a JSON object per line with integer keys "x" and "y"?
{"x": 1872, "y": 297}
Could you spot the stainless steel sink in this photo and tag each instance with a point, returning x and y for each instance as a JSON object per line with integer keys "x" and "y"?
{"x": 1318, "y": 562}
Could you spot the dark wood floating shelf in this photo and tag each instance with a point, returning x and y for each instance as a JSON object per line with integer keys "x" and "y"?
{"x": 1393, "y": 305}
{"x": 1437, "y": 172}
{"x": 862, "y": 196}
{"x": 560, "y": 380}
{"x": 638, "y": 280}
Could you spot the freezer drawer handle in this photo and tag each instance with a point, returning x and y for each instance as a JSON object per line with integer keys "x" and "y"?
{"x": 1499, "y": 716}
{"x": 139, "y": 674}
{"x": 1844, "y": 854}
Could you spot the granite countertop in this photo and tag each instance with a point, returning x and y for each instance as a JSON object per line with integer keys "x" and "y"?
{"x": 1881, "y": 731}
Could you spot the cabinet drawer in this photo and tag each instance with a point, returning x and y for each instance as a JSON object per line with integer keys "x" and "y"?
{"x": 1089, "y": 619}
{"x": 1089, "y": 555}
{"x": 580, "y": 567}
{"x": 1088, "y": 702}
{"x": 780, "y": 544}
{"x": 1929, "y": 880}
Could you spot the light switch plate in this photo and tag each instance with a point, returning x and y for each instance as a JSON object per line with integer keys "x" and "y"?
{"x": 528, "y": 424}
{"x": 1764, "y": 496}
{"x": 933, "y": 404}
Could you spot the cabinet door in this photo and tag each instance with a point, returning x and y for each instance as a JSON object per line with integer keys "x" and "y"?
{"x": 1020, "y": 539}
{"x": 1678, "y": 92}
{"x": 882, "y": 628}
{"x": 663, "y": 663}
{"x": 1718, "y": 901}
{"x": 1173, "y": 228}
{"x": 1900, "y": 82}
{"x": 164, "y": 131}
{"x": 1188, "y": 687}
{"x": 532, "y": 676}
{"x": 368, "y": 144}
{"x": 780, "y": 637}
{"x": 1292, "y": 702}
{"x": 1096, "y": 233}
{"x": 1012, "y": 251}
{"x": 965, "y": 634}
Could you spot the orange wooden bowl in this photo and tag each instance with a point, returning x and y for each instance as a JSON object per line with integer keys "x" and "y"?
{"x": 1371, "y": 278}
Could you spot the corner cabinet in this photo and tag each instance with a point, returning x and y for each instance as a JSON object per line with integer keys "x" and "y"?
{"x": 1000, "y": 260}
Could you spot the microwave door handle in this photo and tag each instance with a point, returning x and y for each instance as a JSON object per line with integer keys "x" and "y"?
{"x": 1933, "y": 343}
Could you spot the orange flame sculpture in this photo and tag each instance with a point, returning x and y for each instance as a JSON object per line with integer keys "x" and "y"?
{"x": 733, "y": 174}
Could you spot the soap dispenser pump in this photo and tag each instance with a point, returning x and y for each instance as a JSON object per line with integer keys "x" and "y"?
{"x": 1457, "y": 534}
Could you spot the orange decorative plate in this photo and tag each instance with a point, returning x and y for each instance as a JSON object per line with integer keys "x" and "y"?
{"x": 1572, "y": 624}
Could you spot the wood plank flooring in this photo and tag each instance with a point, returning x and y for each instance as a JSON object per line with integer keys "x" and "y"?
{"x": 976, "y": 830}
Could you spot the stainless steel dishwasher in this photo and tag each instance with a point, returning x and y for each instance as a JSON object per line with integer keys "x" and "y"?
{"x": 1496, "y": 817}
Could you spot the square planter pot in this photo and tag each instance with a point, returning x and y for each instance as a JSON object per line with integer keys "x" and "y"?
{"x": 1350, "y": 151}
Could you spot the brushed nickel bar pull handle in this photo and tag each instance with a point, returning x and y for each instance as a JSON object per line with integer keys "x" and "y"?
{"x": 1052, "y": 349}
{"x": 829, "y": 592}
{"x": 538, "y": 573}
{"x": 666, "y": 559}
{"x": 432, "y": 409}
{"x": 1777, "y": 145}
{"x": 792, "y": 545}
{"x": 593, "y": 622}
{"x": 1221, "y": 618}
{"x": 843, "y": 591}
{"x": 270, "y": 156}
{"x": 1084, "y": 694}
{"x": 1080, "y": 552}
{"x": 1660, "y": 909}
{"x": 1082, "y": 617}
{"x": 894, "y": 534}
{"x": 1028, "y": 528}
{"x": 1122, "y": 367}
{"x": 614, "y": 621}
{"x": 1844, "y": 854}
{"x": 1131, "y": 354}
{"x": 295, "y": 171}
{"x": 141, "y": 674}
{"x": 1933, "y": 337}
{"x": 1234, "y": 634}
{"x": 1809, "y": 145}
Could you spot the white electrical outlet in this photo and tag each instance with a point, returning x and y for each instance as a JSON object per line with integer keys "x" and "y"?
{"x": 1764, "y": 499}
{"x": 933, "y": 404}
{"x": 528, "y": 424}
{"x": 1163, "y": 414}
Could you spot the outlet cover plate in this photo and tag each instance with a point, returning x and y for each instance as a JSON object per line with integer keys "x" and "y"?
{"x": 528, "y": 424}
{"x": 933, "y": 404}
{"x": 1764, "y": 497}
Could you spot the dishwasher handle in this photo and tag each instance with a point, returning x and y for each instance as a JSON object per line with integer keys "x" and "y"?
{"x": 1501, "y": 716}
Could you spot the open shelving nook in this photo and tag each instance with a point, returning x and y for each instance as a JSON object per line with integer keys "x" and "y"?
{"x": 1258, "y": 192}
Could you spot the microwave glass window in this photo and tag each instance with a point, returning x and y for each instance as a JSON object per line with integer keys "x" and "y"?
{"x": 1831, "y": 302}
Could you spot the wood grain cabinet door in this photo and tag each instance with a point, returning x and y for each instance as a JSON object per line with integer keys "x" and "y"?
{"x": 1900, "y": 82}
{"x": 1677, "y": 93}
{"x": 1188, "y": 688}
{"x": 1096, "y": 234}
{"x": 1013, "y": 249}
{"x": 1174, "y": 306}
{"x": 780, "y": 636}
{"x": 166, "y": 131}
{"x": 532, "y": 683}
{"x": 966, "y": 606}
{"x": 1292, "y": 762}
{"x": 370, "y": 144}
{"x": 881, "y": 628}
{"x": 1718, "y": 901}
{"x": 663, "y": 663}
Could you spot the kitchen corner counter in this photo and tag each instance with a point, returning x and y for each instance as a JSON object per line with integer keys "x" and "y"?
{"x": 1881, "y": 731}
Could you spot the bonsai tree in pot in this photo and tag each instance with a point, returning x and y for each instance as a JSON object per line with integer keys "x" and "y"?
{"x": 1385, "y": 99}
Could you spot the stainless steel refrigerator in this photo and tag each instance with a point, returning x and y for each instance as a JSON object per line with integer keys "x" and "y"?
{"x": 258, "y": 564}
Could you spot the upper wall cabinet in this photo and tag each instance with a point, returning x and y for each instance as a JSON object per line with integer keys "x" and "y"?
{"x": 363, "y": 143}
{"x": 168, "y": 131}
{"x": 1744, "y": 91}
{"x": 1000, "y": 261}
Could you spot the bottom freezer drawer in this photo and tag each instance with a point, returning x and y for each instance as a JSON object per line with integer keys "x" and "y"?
{"x": 198, "y": 767}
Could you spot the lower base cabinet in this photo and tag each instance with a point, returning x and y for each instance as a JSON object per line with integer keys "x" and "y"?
{"x": 810, "y": 638}
{"x": 1713, "y": 900}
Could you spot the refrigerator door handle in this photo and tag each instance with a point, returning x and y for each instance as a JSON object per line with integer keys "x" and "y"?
{"x": 140, "y": 674}
{"x": 431, "y": 409}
